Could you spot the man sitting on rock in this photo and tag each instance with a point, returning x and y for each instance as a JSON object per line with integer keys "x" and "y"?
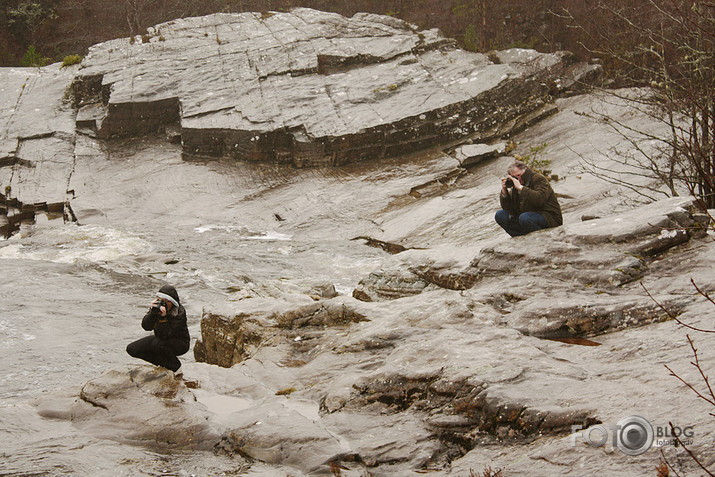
{"x": 167, "y": 318}
{"x": 528, "y": 202}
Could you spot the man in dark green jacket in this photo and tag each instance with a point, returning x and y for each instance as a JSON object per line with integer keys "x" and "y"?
{"x": 167, "y": 319}
{"x": 528, "y": 202}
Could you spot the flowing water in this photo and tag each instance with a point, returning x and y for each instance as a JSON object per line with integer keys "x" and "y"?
{"x": 72, "y": 296}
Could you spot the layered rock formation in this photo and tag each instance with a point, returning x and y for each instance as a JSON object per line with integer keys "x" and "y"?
{"x": 37, "y": 143}
{"x": 308, "y": 87}
{"x": 305, "y": 88}
{"x": 457, "y": 350}
{"x": 602, "y": 254}
{"x": 422, "y": 349}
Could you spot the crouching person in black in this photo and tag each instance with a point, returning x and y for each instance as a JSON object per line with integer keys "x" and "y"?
{"x": 167, "y": 318}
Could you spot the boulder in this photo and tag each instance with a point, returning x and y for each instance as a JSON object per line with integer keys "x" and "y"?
{"x": 233, "y": 333}
{"x": 145, "y": 405}
{"x": 229, "y": 337}
{"x": 389, "y": 285}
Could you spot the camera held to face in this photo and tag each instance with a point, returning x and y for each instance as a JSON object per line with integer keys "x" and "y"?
{"x": 509, "y": 183}
{"x": 156, "y": 306}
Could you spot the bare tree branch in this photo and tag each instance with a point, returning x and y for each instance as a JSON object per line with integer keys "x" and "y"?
{"x": 690, "y": 453}
{"x": 670, "y": 466}
{"x": 673, "y": 315}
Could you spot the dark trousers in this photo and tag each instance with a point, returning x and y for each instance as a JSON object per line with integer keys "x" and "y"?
{"x": 526, "y": 223}
{"x": 157, "y": 351}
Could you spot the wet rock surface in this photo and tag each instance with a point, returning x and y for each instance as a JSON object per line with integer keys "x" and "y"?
{"x": 600, "y": 255}
{"x": 144, "y": 405}
{"x": 370, "y": 317}
{"x": 434, "y": 355}
{"x": 37, "y": 139}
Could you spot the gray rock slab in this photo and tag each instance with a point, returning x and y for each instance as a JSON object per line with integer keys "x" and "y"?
{"x": 108, "y": 405}
{"x": 389, "y": 441}
{"x": 662, "y": 218}
{"x": 35, "y": 102}
{"x": 13, "y": 83}
{"x": 43, "y": 170}
{"x": 306, "y": 87}
{"x": 37, "y": 140}
{"x": 276, "y": 433}
{"x": 471, "y": 154}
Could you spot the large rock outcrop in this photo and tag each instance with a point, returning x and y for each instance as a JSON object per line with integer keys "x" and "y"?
{"x": 421, "y": 357}
{"x": 303, "y": 87}
{"x": 309, "y": 87}
{"x": 570, "y": 264}
{"x": 459, "y": 346}
{"x": 370, "y": 366}
{"x": 37, "y": 144}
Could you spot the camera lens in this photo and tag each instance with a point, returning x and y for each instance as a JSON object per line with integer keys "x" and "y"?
{"x": 156, "y": 306}
{"x": 509, "y": 183}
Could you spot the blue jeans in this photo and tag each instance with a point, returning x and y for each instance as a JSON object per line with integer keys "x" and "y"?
{"x": 526, "y": 223}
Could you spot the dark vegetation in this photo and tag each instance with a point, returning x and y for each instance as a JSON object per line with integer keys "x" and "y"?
{"x": 669, "y": 46}
{"x": 57, "y": 28}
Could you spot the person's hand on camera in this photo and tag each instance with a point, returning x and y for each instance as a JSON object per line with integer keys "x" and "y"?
{"x": 158, "y": 307}
{"x": 517, "y": 183}
{"x": 503, "y": 186}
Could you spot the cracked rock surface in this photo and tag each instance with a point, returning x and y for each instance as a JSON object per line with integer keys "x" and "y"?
{"x": 307, "y": 87}
{"x": 369, "y": 317}
{"x": 37, "y": 142}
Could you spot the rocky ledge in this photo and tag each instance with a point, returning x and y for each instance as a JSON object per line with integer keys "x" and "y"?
{"x": 309, "y": 87}
{"x": 417, "y": 356}
{"x": 600, "y": 257}
{"x": 463, "y": 347}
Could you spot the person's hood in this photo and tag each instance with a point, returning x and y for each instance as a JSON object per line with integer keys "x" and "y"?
{"x": 169, "y": 293}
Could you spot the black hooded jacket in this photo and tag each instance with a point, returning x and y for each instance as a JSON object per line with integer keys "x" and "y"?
{"x": 171, "y": 329}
